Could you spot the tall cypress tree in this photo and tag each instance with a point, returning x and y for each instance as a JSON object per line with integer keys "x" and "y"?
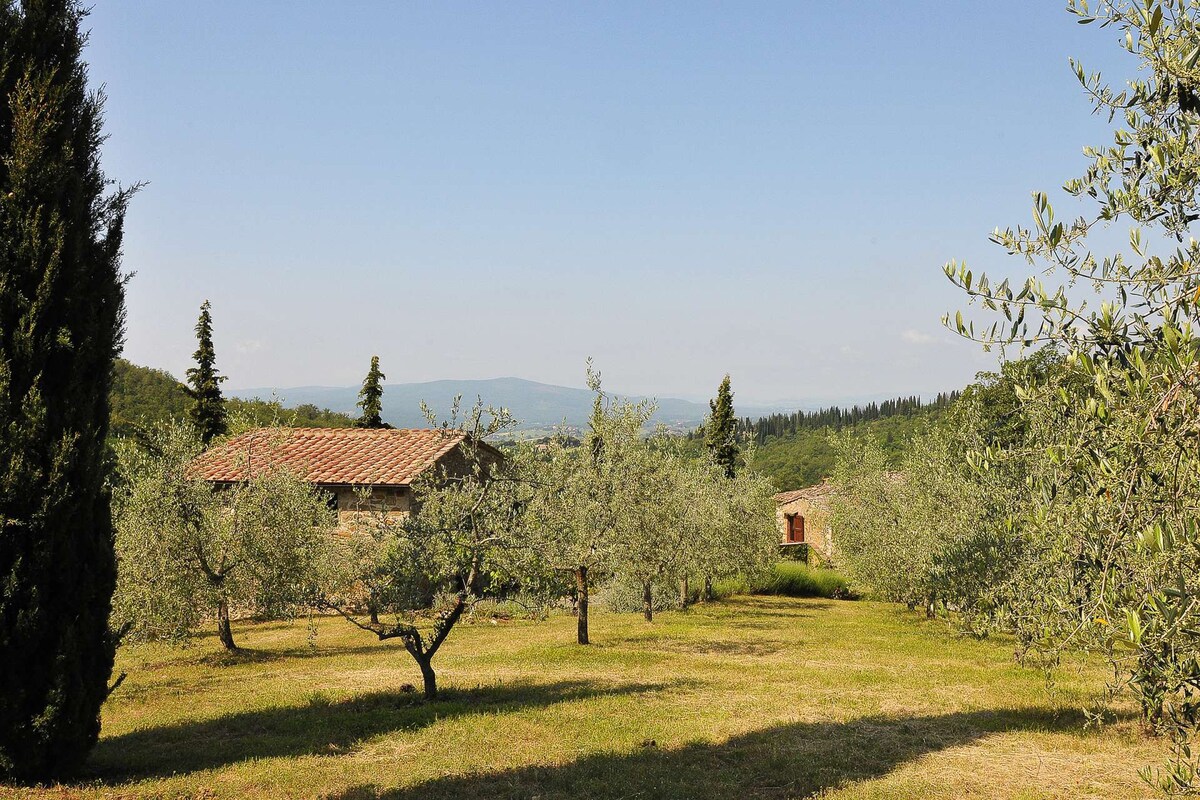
{"x": 370, "y": 398}
{"x": 204, "y": 383}
{"x": 719, "y": 434}
{"x": 61, "y": 320}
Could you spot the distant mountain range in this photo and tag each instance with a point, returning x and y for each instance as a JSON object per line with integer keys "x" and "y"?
{"x": 535, "y": 405}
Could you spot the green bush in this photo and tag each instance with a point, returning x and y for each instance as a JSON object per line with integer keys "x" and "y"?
{"x": 519, "y": 606}
{"x": 797, "y": 579}
{"x": 624, "y": 595}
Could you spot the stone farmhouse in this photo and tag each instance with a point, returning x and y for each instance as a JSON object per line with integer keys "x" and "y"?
{"x": 802, "y": 516}
{"x": 363, "y": 470}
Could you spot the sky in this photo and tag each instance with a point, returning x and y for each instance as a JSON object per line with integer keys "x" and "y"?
{"x": 678, "y": 190}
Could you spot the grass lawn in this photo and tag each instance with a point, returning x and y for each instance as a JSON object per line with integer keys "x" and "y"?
{"x": 751, "y": 697}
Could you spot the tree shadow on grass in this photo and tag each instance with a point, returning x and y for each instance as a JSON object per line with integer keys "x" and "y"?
{"x": 755, "y": 612}
{"x": 757, "y": 647}
{"x": 322, "y": 727}
{"x": 250, "y": 655}
{"x": 785, "y": 761}
{"x": 773, "y": 606}
{"x": 200, "y": 656}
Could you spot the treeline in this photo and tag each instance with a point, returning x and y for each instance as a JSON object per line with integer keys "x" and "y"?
{"x": 836, "y": 417}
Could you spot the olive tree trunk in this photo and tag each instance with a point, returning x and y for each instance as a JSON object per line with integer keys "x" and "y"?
{"x": 581, "y": 604}
{"x": 224, "y": 630}
{"x": 428, "y": 677}
{"x": 647, "y": 601}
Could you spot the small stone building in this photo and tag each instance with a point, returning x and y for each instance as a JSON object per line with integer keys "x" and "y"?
{"x": 802, "y": 516}
{"x": 365, "y": 471}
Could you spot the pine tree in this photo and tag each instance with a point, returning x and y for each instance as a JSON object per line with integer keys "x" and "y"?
{"x": 61, "y": 319}
{"x": 719, "y": 435}
{"x": 370, "y": 398}
{"x": 204, "y": 383}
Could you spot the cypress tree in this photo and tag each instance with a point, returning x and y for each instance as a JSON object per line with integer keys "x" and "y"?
{"x": 720, "y": 435}
{"x": 61, "y": 320}
{"x": 370, "y": 398}
{"x": 204, "y": 383}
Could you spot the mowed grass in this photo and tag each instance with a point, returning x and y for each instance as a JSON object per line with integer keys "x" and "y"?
{"x": 762, "y": 697}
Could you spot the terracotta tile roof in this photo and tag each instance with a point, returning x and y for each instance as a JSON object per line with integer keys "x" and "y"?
{"x": 355, "y": 456}
{"x": 818, "y": 492}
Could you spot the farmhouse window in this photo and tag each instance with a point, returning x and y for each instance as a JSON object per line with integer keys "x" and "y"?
{"x": 331, "y": 500}
{"x": 795, "y": 528}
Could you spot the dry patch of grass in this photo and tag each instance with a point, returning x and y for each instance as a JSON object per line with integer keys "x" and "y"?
{"x": 753, "y": 697}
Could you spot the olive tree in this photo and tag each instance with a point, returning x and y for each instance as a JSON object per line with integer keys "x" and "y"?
{"x": 740, "y": 537}
{"x": 641, "y": 508}
{"x": 581, "y": 494}
{"x": 653, "y": 518}
{"x": 684, "y": 517}
{"x": 726, "y": 524}
{"x": 189, "y": 552}
{"x": 867, "y": 513}
{"x": 426, "y": 569}
{"x": 936, "y": 531}
{"x": 1115, "y": 510}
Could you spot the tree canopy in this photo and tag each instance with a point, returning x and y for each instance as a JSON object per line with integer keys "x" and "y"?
{"x": 191, "y": 552}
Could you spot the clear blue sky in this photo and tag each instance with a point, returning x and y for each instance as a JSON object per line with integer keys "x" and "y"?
{"x": 678, "y": 190}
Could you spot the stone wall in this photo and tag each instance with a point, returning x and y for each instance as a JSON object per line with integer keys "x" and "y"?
{"x": 394, "y": 502}
{"x": 817, "y": 532}
{"x": 355, "y": 509}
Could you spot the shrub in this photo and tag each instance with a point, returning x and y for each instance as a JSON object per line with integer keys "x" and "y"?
{"x": 623, "y": 594}
{"x": 796, "y": 579}
{"x": 517, "y": 606}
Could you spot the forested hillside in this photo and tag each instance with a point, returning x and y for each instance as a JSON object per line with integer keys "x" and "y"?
{"x": 793, "y": 450}
{"x": 143, "y": 396}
